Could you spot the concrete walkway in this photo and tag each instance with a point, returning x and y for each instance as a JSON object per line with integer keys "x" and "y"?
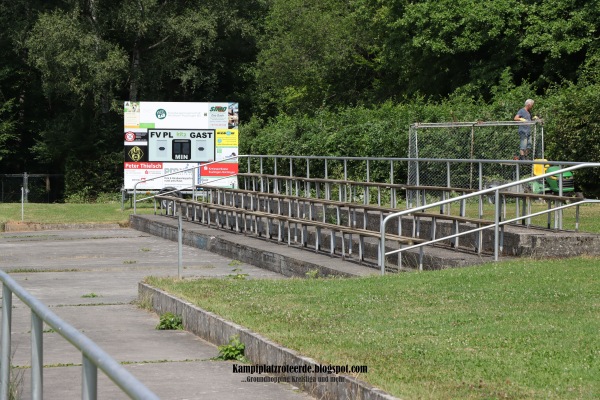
{"x": 89, "y": 278}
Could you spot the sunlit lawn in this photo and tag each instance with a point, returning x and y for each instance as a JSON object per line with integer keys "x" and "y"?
{"x": 522, "y": 329}
{"x": 70, "y": 213}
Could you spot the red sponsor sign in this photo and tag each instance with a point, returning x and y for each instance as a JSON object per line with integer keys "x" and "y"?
{"x": 219, "y": 169}
{"x": 143, "y": 165}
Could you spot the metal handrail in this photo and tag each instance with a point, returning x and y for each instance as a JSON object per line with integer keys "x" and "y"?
{"x": 497, "y": 223}
{"x": 173, "y": 173}
{"x": 93, "y": 356}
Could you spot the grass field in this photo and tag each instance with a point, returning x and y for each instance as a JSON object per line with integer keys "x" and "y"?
{"x": 517, "y": 330}
{"x": 70, "y": 213}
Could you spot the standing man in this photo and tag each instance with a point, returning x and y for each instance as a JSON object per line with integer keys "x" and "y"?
{"x": 524, "y": 114}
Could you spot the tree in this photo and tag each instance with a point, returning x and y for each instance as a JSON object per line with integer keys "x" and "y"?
{"x": 561, "y": 35}
{"x": 313, "y": 54}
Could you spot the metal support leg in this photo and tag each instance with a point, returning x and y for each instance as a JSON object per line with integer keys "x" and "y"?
{"x": 37, "y": 357}
{"x": 89, "y": 376}
{"x": 6, "y": 330}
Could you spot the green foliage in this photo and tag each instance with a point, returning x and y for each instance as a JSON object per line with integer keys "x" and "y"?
{"x": 85, "y": 180}
{"x": 170, "y": 321}
{"x": 574, "y": 131}
{"x": 313, "y": 55}
{"x": 73, "y": 60}
{"x": 8, "y": 123}
{"x": 234, "y": 350}
{"x": 82, "y": 196}
{"x": 326, "y": 77}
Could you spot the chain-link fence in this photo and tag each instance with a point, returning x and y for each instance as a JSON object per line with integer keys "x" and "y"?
{"x": 469, "y": 141}
{"x": 35, "y": 188}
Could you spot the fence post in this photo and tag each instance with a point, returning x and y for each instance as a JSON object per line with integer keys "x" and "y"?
{"x": 26, "y": 186}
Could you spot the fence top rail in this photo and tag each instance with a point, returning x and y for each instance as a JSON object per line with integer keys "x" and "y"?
{"x": 115, "y": 371}
{"x": 425, "y": 125}
{"x": 415, "y": 159}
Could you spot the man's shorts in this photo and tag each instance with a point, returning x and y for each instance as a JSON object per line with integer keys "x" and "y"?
{"x": 525, "y": 140}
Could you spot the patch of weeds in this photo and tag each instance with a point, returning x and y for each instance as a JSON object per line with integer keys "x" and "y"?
{"x": 49, "y": 330}
{"x": 312, "y": 274}
{"x": 144, "y": 249}
{"x": 28, "y": 236}
{"x": 15, "y": 384}
{"x": 238, "y": 274}
{"x": 88, "y": 305}
{"x": 129, "y": 262}
{"x": 232, "y": 351}
{"x": 15, "y": 380}
{"x": 90, "y": 295}
{"x": 235, "y": 263}
{"x": 61, "y": 365}
{"x": 170, "y": 321}
{"x": 187, "y": 360}
{"x": 144, "y": 301}
{"x": 33, "y": 270}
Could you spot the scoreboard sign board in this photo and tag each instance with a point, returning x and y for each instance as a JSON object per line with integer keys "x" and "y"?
{"x": 165, "y": 137}
{"x": 197, "y": 145}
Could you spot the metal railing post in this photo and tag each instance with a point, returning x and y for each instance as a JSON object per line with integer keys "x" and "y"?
{"x": 179, "y": 243}
{"x": 134, "y": 199}
{"x": 6, "y": 331}
{"x": 496, "y": 225}
{"x": 89, "y": 387}
{"x": 382, "y": 247}
{"x": 37, "y": 357}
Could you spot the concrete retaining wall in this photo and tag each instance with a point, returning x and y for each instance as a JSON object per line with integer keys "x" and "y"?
{"x": 259, "y": 350}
